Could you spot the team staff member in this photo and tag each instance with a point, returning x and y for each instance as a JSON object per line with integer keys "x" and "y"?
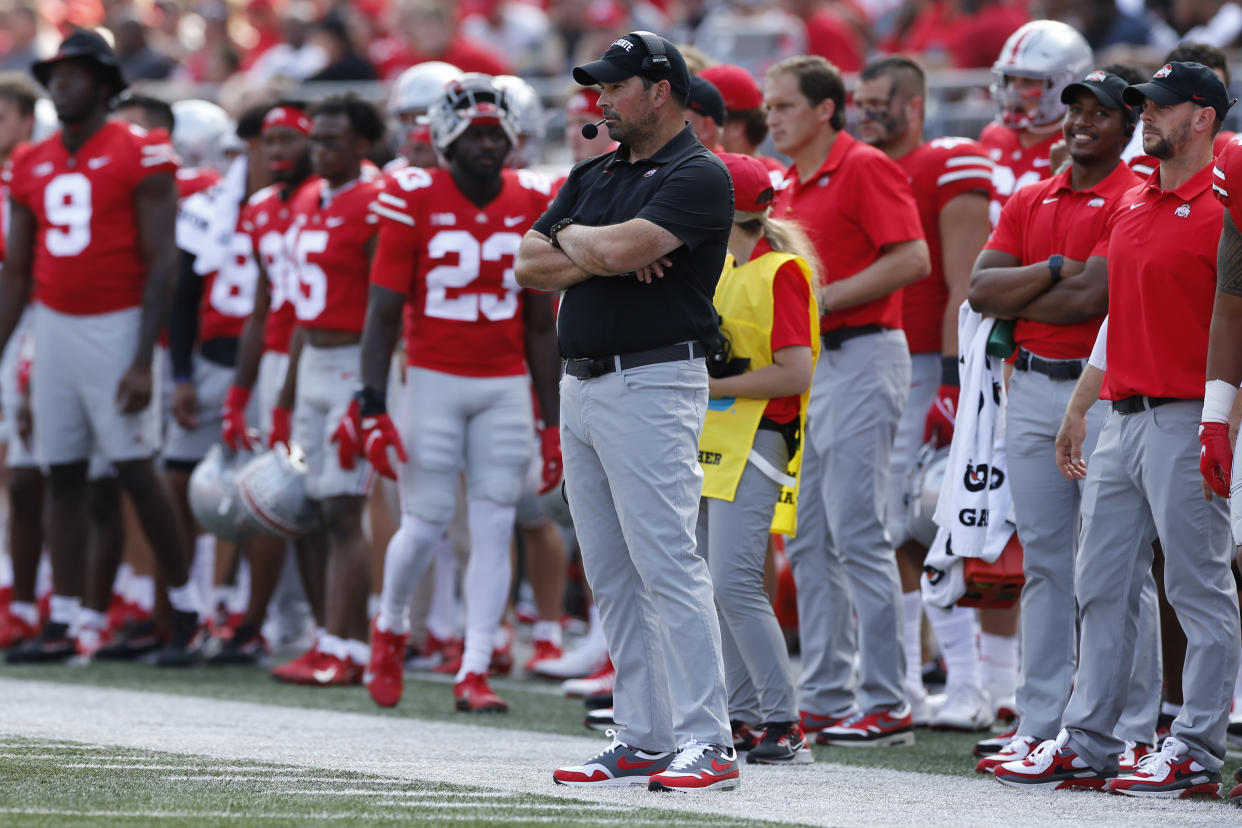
{"x": 749, "y": 451}
{"x": 633, "y": 400}
{"x": 92, "y": 228}
{"x": 857, "y": 208}
{"x": 1142, "y": 482}
{"x": 950, "y": 178}
{"x": 1033, "y": 270}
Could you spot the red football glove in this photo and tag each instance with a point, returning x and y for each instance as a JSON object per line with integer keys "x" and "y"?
{"x": 550, "y": 450}
{"x": 1215, "y": 456}
{"x": 348, "y": 436}
{"x": 941, "y": 418}
{"x": 282, "y": 428}
{"x": 378, "y": 435}
{"x": 233, "y": 428}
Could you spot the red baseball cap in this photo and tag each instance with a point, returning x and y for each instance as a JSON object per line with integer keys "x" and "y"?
{"x": 584, "y": 101}
{"x": 752, "y": 186}
{"x": 736, "y": 85}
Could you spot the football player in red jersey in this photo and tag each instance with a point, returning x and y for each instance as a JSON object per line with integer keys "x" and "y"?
{"x": 263, "y": 361}
{"x": 1037, "y": 62}
{"x": 92, "y": 229}
{"x": 447, "y": 245}
{"x": 951, "y": 178}
{"x": 19, "y": 617}
{"x": 330, "y": 241}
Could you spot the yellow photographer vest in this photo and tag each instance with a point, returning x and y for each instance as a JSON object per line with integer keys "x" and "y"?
{"x": 744, "y": 301}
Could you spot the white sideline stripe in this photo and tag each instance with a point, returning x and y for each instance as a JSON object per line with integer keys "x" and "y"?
{"x": 503, "y": 819}
{"x": 180, "y": 766}
{"x": 410, "y": 749}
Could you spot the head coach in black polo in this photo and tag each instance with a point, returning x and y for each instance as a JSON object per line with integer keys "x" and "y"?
{"x": 637, "y": 239}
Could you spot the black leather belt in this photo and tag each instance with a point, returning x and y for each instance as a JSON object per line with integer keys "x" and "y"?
{"x": 835, "y": 338}
{"x": 1057, "y": 369}
{"x": 591, "y": 367}
{"x": 1133, "y": 405}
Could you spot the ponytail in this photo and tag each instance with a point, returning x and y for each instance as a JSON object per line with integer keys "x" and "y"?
{"x": 784, "y": 236}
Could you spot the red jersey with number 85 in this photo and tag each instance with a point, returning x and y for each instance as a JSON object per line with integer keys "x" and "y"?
{"x": 87, "y": 258}
{"x": 328, "y": 279}
{"x": 454, "y": 262}
{"x": 265, "y": 218}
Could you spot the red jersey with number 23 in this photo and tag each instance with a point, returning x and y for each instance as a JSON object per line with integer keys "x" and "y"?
{"x": 454, "y": 261}
{"x": 328, "y": 243}
{"x": 87, "y": 258}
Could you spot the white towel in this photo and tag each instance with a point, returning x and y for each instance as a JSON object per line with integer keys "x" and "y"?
{"x": 226, "y": 199}
{"x": 973, "y": 511}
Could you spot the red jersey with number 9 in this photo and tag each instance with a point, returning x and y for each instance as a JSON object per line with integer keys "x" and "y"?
{"x": 328, "y": 248}
{"x": 87, "y": 258}
{"x": 454, "y": 262}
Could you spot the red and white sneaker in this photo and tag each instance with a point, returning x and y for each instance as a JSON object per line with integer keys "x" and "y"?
{"x": 1051, "y": 766}
{"x": 385, "y": 676}
{"x": 616, "y": 766}
{"x": 1169, "y": 773}
{"x": 334, "y": 671}
{"x": 473, "y": 695}
{"x": 699, "y": 767}
{"x": 14, "y": 631}
{"x": 1016, "y": 750}
{"x": 544, "y": 651}
{"x": 1128, "y": 759}
{"x": 887, "y": 728}
{"x": 584, "y": 660}
{"x": 598, "y": 683}
{"x": 299, "y": 670}
{"x": 745, "y": 737}
{"x": 995, "y": 744}
{"x": 813, "y": 722}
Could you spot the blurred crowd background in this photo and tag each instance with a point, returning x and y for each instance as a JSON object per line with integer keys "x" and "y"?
{"x": 237, "y": 52}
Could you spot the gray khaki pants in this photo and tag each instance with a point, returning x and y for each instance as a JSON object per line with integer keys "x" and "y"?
{"x": 842, "y": 558}
{"x": 733, "y": 536}
{"x": 1143, "y": 483}
{"x": 630, "y": 444}
{"x": 1046, "y": 508}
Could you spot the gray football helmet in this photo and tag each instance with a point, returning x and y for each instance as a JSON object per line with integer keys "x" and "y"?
{"x": 199, "y": 133}
{"x": 213, "y": 494}
{"x": 1045, "y": 50}
{"x": 923, "y": 491}
{"x": 272, "y": 487}
{"x": 472, "y": 98}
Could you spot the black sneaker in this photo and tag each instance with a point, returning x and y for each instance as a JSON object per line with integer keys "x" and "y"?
{"x": 52, "y": 644}
{"x": 597, "y": 701}
{"x": 1164, "y": 725}
{"x": 745, "y": 737}
{"x": 783, "y": 743}
{"x": 133, "y": 640}
{"x": 600, "y": 719}
{"x": 182, "y": 649}
{"x": 244, "y": 646}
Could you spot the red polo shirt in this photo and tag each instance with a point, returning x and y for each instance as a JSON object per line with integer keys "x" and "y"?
{"x": 856, "y": 203}
{"x": 1161, "y": 249}
{"x": 1052, "y": 217}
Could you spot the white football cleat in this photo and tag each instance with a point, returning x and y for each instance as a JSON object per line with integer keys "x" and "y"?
{"x": 966, "y": 707}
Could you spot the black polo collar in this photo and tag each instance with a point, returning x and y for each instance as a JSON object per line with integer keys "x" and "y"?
{"x": 675, "y": 148}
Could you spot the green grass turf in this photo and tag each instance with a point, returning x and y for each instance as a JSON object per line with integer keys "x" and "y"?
{"x": 541, "y": 712}
{"x": 41, "y": 788}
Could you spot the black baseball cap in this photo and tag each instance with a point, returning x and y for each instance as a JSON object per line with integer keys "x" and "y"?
{"x": 83, "y": 43}
{"x": 1108, "y": 89}
{"x": 706, "y": 100}
{"x": 1182, "y": 81}
{"x": 625, "y": 58}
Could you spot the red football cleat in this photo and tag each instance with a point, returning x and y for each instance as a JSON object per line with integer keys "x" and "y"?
{"x": 298, "y": 671}
{"x": 544, "y": 651}
{"x": 14, "y": 631}
{"x": 473, "y": 695}
{"x": 384, "y": 677}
